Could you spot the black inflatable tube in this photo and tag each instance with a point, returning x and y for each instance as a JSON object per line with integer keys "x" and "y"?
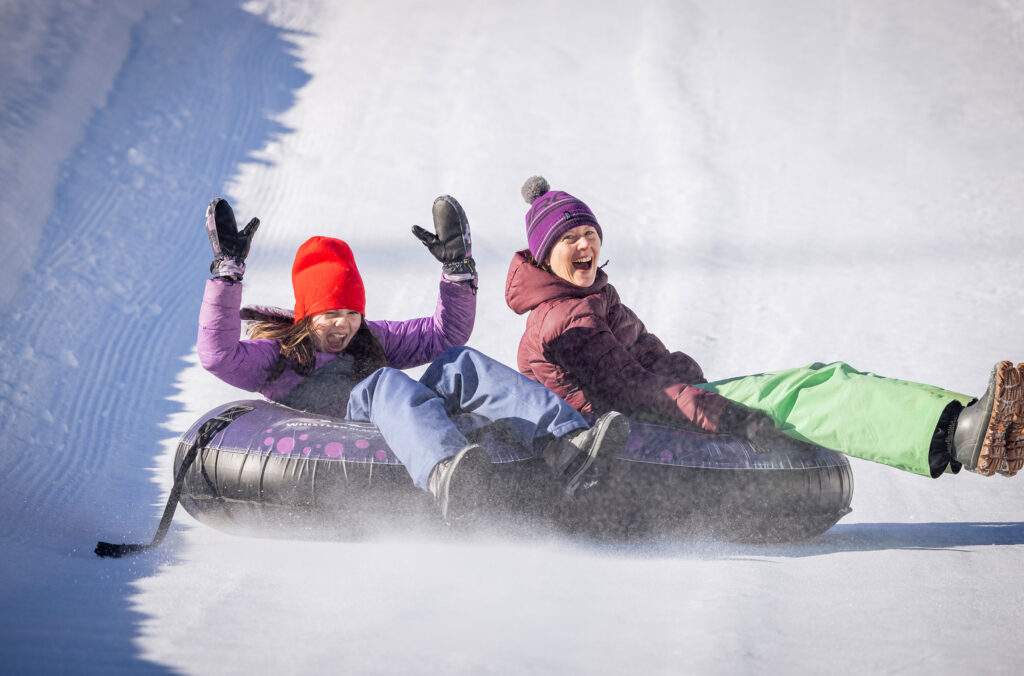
{"x": 278, "y": 472}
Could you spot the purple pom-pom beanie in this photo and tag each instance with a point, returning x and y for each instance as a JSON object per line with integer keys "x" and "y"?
{"x": 552, "y": 214}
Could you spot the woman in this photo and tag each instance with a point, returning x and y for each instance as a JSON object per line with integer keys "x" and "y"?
{"x": 586, "y": 345}
{"x": 326, "y": 358}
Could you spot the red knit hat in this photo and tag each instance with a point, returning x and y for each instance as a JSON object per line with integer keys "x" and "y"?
{"x": 325, "y": 277}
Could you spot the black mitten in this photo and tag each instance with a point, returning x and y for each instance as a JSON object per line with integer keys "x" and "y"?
{"x": 759, "y": 430}
{"x": 754, "y": 426}
{"x": 451, "y": 244}
{"x": 230, "y": 246}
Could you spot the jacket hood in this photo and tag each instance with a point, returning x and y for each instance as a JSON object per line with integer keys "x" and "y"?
{"x": 527, "y": 286}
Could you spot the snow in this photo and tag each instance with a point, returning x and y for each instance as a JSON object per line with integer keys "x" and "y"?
{"x": 778, "y": 184}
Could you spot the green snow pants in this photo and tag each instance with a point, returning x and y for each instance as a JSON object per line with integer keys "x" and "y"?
{"x": 837, "y": 407}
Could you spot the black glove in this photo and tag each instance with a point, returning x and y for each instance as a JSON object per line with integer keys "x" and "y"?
{"x": 759, "y": 430}
{"x": 230, "y": 247}
{"x": 452, "y": 244}
{"x": 754, "y": 426}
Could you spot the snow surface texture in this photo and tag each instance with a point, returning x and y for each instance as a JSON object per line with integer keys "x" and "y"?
{"x": 778, "y": 183}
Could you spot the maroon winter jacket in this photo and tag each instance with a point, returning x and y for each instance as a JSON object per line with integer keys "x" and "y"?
{"x": 595, "y": 353}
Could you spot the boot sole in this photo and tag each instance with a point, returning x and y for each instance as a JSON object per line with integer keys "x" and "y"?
{"x": 1007, "y": 398}
{"x": 611, "y": 435}
{"x": 1015, "y": 436}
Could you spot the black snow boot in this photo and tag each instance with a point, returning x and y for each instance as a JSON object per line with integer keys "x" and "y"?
{"x": 583, "y": 458}
{"x": 460, "y": 484}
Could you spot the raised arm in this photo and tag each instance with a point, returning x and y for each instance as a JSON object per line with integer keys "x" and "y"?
{"x": 239, "y": 363}
{"x": 420, "y": 341}
{"x": 414, "y": 342}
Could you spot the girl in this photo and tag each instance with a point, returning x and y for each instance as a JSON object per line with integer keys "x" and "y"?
{"x": 327, "y": 358}
{"x": 585, "y": 344}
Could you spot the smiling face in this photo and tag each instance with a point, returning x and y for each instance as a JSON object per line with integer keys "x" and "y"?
{"x": 332, "y": 331}
{"x": 574, "y": 255}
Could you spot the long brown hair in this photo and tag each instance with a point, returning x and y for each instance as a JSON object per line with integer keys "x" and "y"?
{"x": 297, "y": 348}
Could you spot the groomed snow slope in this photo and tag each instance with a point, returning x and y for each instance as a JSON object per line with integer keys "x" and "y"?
{"x": 777, "y": 184}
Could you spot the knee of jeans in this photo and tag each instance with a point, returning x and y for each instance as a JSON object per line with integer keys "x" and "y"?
{"x": 386, "y": 373}
{"x": 362, "y": 395}
{"x": 381, "y": 375}
{"x": 453, "y": 353}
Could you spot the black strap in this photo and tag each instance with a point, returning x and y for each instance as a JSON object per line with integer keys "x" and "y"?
{"x": 207, "y": 431}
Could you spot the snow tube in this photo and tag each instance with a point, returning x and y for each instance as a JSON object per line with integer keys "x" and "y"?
{"x": 274, "y": 471}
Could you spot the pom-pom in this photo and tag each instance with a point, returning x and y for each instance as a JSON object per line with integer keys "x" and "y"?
{"x": 534, "y": 187}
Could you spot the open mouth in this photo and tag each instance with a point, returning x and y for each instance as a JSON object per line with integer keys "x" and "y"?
{"x": 336, "y": 339}
{"x": 583, "y": 263}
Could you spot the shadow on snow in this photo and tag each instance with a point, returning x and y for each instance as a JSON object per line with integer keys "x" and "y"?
{"x": 119, "y": 276}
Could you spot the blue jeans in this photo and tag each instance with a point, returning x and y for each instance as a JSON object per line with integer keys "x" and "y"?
{"x": 413, "y": 417}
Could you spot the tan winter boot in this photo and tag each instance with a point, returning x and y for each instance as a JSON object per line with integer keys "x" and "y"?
{"x": 1015, "y": 437}
{"x": 979, "y": 442}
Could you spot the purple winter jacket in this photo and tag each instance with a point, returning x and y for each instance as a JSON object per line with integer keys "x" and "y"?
{"x": 594, "y": 352}
{"x": 245, "y": 363}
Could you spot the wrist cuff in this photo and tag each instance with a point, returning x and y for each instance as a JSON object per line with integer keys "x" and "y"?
{"x": 459, "y": 271}
{"x": 228, "y": 268}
